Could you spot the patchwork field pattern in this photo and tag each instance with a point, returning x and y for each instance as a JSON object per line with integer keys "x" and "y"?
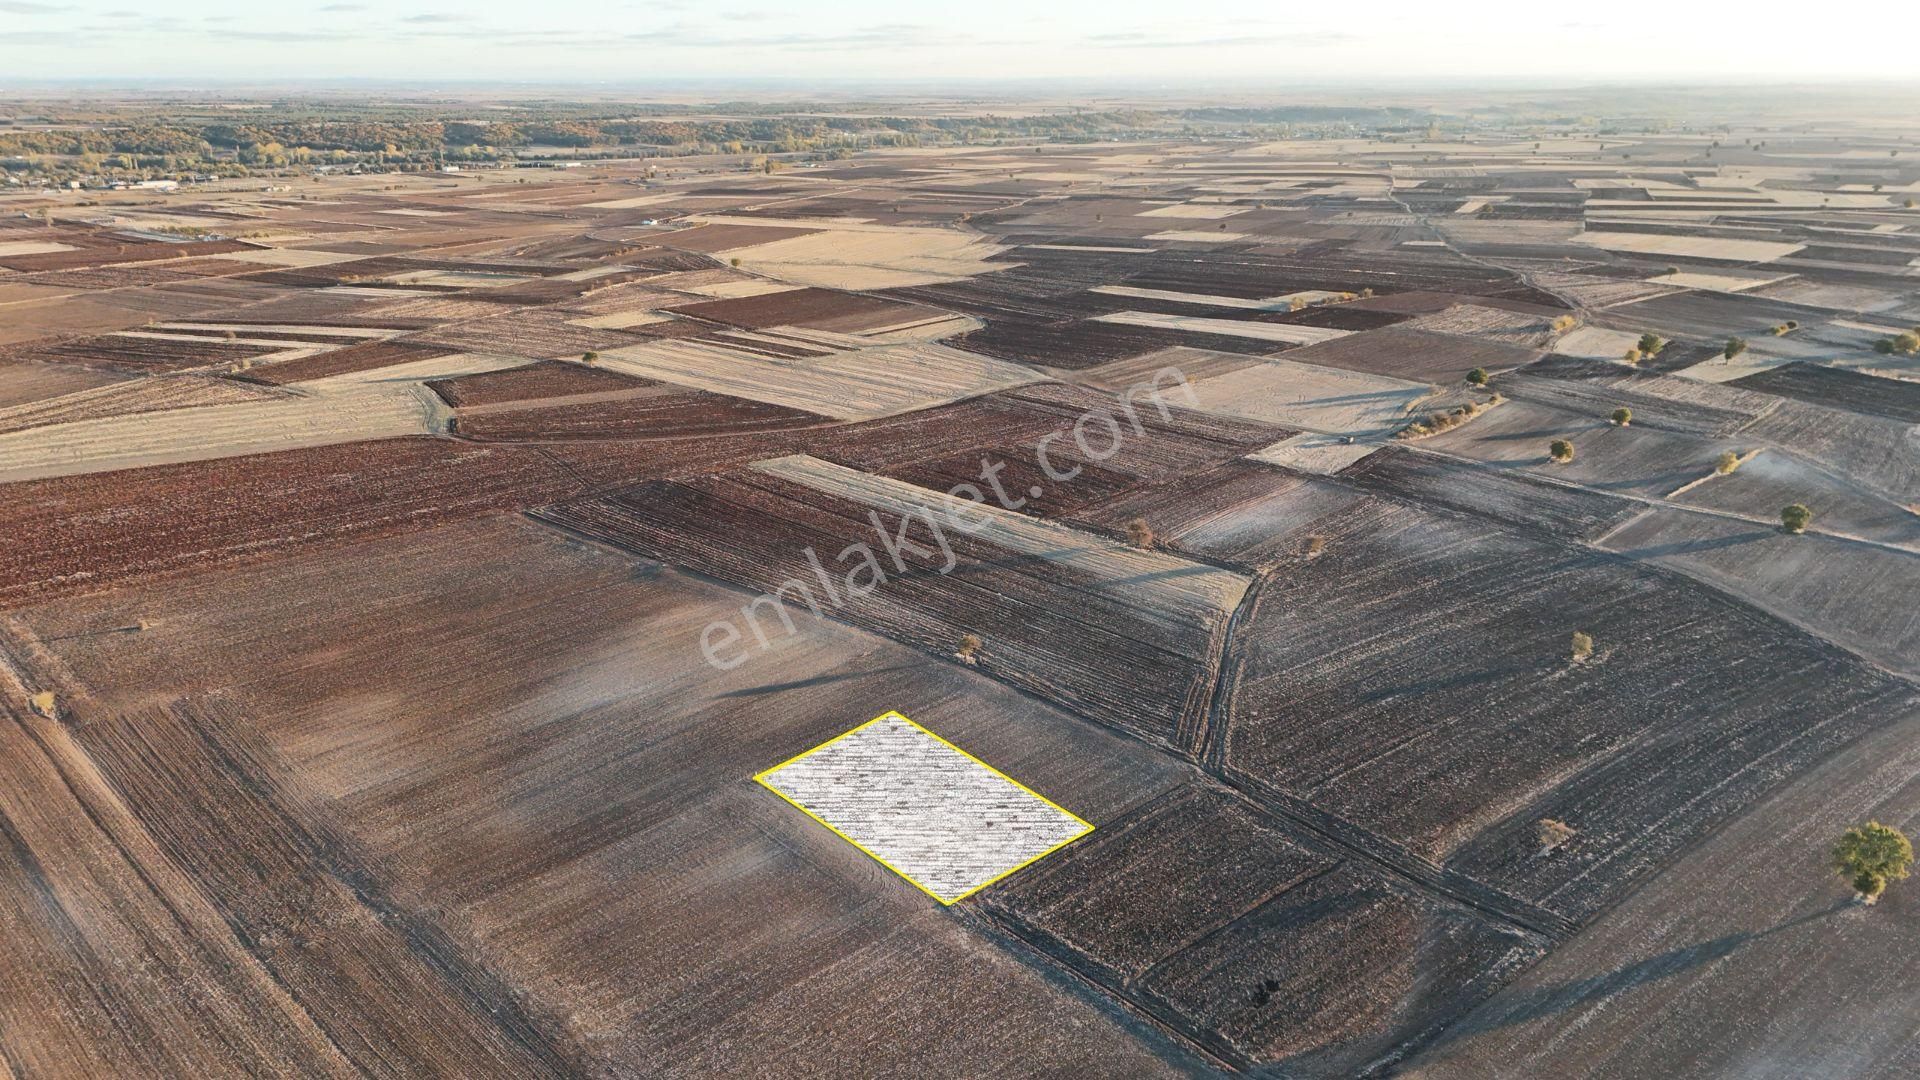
{"x": 408, "y": 575}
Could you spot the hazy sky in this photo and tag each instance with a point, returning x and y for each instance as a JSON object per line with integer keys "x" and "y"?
{"x": 487, "y": 40}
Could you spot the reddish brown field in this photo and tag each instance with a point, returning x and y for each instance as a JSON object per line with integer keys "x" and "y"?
{"x": 649, "y": 414}
{"x": 821, "y": 309}
{"x": 139, "y": 354}
{"x": 85, "y": 532}
{"x": 370, "y": 356}
{"x": 547, "y": 379}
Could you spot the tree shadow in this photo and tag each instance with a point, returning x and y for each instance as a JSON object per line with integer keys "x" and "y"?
{"x": 1538, "y": 1004}
{"x": 1692, "y": 547}
{"x": 817, "y": 680}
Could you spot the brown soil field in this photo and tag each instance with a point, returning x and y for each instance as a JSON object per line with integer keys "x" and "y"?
{"x": 1200, "y": 898}
{"x": 649, "y": 415}
{"x": 151, "y": 394}
{"x": 1894, "y": 399}
{"x": 1517, "y": 500}
{"x": 1671, "y": 979}
{"x": 133, "y": 353}
{"x": 1419, "y": 355}
{"x": 940, "y": 448}
{"x": 186, "y": 997}
{"x": 1050, "y": 625}
{"x": 707, "y": 239}
{"x": 1242, "y": 513}
{"x": 474, "y": 826}
{"x": 1668, "y": 722}
{"x": 24, "y": 384}
{"x": 116, "y": 254}
{"x": 84, "y": 532}
{"x": 823, "y": 309}
{"x": 542, "y": 334}
{"x": 546, "y": 379}
{"x": 347, "y": 360}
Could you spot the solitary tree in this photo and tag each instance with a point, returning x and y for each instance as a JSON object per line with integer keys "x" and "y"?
{"x": 1734, "y": 347}
{"x": 1478, "y": 376}
{"x": 1728, "y": 462}
{"x": 1554, "y": 834}
{"x": 1632, "y": 357}
{"x": 1651, "y": 344}
{"x": 1870, "y": 857}
{"x": 1796, "y": 518}
{"x": 1582, "y": 645}
{"x": 1623, "y": 416}
{"x": 1560, "y": 450}
{"x": 970, "y": 649}
{"x": 1565, "y": 323}
{"x": 1139, "y": 533}
{"x": 43, "y": 704}
{"x": 590, "y": 358}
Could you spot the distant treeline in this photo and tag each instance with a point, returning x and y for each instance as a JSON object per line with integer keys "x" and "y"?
{"x": 773, "y": 134}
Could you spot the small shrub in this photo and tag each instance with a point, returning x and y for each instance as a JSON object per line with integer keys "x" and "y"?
{"x": 1734, "y": 347}
{"x": 590, "y": 358}
{"x": 1582, "y": 646}
{"x": 1727, "y": 462}
{"x": 1622, "y": 417}
{"x": 1316, "y": 546}
{"x": 1554, "y": 834}
{"x": 1884, "y": 346}
{"x": 1870, "y": 857}
{"x": 1632, "y": 358}
{"x": 1796, "y": 518}
{"x": 1565, "y": 323}
{"x": 1438, "y": 422}
{"x": 1478, "y": 376}
{"x": 734, "y": 262}
{"x": 970, "y": 647}
{"x": 43, "y": 703}
{"x": 1139, "y": 533}
{"x": 1560, "y": 451}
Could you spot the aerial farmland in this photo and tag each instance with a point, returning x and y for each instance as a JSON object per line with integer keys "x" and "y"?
{"x": 1206, "y": 597}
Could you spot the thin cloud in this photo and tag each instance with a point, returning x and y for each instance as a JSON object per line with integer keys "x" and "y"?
{"x": 283, "y": 36}
{"x": 1137, "y": 39}
{"x": 896, "y": 36}
{"x": 27, "y": 7}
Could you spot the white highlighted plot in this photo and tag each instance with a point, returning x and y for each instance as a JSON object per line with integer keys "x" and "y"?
{"x": 922, "y": 807}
